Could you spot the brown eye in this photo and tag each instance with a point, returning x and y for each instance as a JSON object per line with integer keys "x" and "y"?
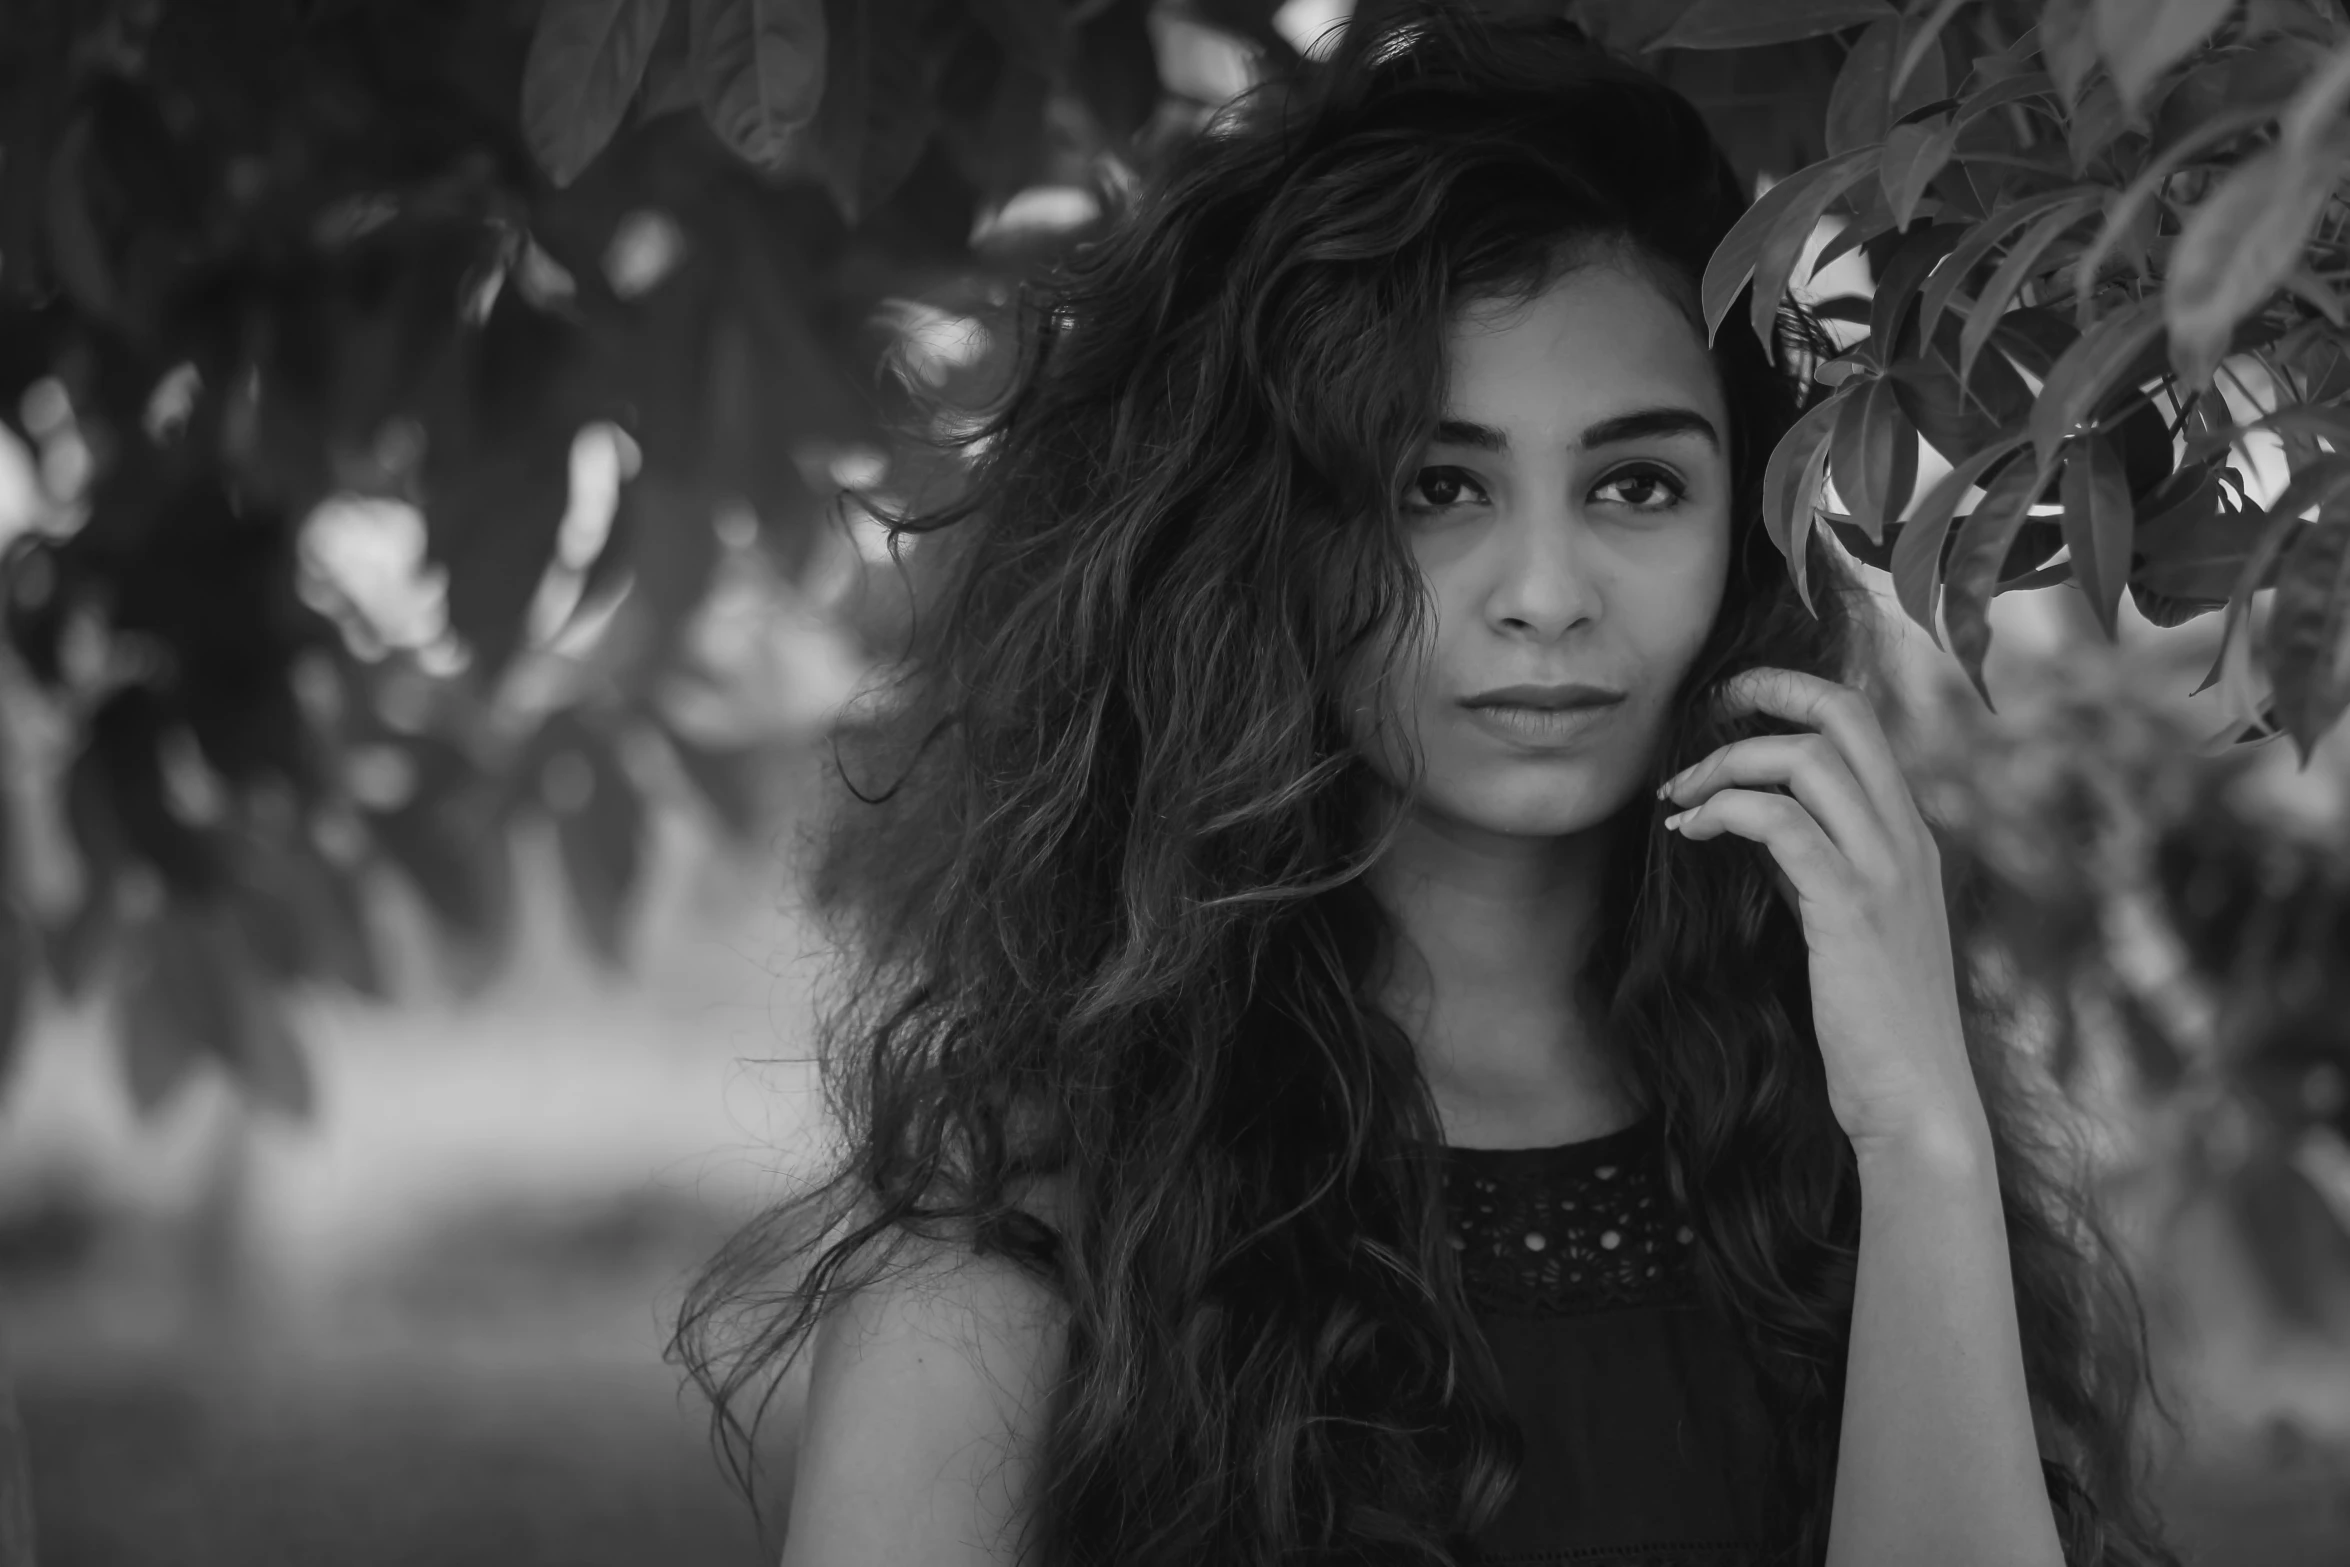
{"x": 1644, "y": 489}
{"x": 1439, "y": 488}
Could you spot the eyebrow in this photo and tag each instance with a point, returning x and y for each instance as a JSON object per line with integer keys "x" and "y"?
{"x": 1640, "y": 424}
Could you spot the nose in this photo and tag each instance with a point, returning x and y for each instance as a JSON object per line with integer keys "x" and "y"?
{"x": 1542, "y": 585}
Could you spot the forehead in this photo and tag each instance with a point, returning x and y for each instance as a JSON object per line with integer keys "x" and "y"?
{"x": 1598, "y": 341}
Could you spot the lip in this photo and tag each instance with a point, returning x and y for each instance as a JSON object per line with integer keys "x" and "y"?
{"x": 1539, "y": 728}
{"x": 1571, "y": 696}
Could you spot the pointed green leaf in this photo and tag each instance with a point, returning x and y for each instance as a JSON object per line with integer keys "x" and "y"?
{"x": 1743, "y": 24}
{"x": 1918, "y": 45}
{"x": 2141, "y": 39}
{"x": 2316, "y": 485}
{"x": 1793, "y": 205}
{"x": 2098, "y": 524}
{"x": 1915, "y": 151}
{"x": 1975, "y": 558}
{"x": 1785, "y": 475}
{"x": 758, "y": 71}
{"x": 1917, "y": 555}
{"x": 2079, "y": 380}
{"x": 1904, "y": 272}
{"x": 1985, "y": 236}
{"x": 2307, "y": 646}
{"x": 586, "y": 58}
{"x": 2021, "y": 262}
{"x": 1863, "y": 105}
{"x": 2068, "y": 42}
{"x": 1874, "y": 456}
{"x": 2188, "y": 553}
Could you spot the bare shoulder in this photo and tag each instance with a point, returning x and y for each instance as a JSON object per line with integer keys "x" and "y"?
{"x": 927, "y": 1397}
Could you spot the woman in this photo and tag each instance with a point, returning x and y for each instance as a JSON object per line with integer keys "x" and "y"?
{"x": 1404, "y": 1010}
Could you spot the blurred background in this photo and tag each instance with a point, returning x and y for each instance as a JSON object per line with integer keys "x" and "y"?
{"x": 430, "y": 564}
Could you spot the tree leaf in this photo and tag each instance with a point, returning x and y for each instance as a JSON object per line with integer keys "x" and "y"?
{"x": 1915, "y": 151}
{"x": 2306, "y": 649}
{"x": 2316, "y": 484}
{"x": 1975, "y": 559}
{"x": 1874, "y": 456}
{"x": 1862, "y": 106}
{"x": 1743, "y": 24}
{"x": 2079, "y": 380}
{"x": 586, "y": 59}
{"x": 1985, "y": 236}
{"x": 1783, "y": 475}
{"x": 2098, "y": 118}
{"x": 2238, "y": 245}
{"x": 1918, "y": 47}
{"x": 2098, "y": 524}
{"x": 2068, "y": 42}
{"x": 20, "y": 955}
{"x": 1899, "y": 278}
{"x": 2018, "y": 265}
{"x": 758, "y": 68}
{"x": 878, "y": 110}
{"x": 2121, "y": 211}
{"x": 599, "y": 825}
{"x": 2141, "y": 39}
{"x": 1954, "y": 418}
{"x": 1917, "y": 555}
{"x": 193, "y": 989}
{"x": 2188, "y": 553}
{"x": 1768, "y": 237}
{"x": 1035, "y": 33}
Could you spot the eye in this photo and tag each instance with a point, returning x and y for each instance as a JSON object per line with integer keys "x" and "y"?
{"x": 1443, "y": 487}
{"x": 1644, "y": 488}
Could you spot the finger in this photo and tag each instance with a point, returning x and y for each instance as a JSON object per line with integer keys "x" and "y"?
{"x": 1781, "y": 825}
{"x": 1842, "y": 714}
{"x": 1815, "y": 770}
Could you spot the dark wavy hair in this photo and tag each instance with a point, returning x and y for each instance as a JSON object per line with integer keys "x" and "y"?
{"x": 1097, "y": 874}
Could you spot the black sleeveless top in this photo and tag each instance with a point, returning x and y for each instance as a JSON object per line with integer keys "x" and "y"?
{"x": 1642, "y": 1413}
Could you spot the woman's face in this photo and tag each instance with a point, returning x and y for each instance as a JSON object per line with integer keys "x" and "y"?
{"x": 1572, "y": 522}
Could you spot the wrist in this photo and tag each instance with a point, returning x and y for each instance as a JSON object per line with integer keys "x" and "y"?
{"x": 1943, "y": 1148}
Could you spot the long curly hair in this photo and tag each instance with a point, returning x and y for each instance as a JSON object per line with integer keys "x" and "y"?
{"x": 1096, "y": 875}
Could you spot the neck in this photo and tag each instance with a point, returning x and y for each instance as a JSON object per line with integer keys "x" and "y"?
{"x": 1492, "y": 934}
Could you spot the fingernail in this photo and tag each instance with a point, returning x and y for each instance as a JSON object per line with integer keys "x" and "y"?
{"x": 1675, "y": 819}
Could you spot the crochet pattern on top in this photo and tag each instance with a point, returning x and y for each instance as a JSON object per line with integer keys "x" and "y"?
{"x": 1587, "y": 1226}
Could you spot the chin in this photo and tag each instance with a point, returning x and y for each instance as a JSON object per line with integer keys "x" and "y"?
{"x": 1556, "y": 810}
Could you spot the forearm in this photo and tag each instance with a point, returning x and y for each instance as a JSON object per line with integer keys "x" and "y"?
{"x": 1939, "y": 1466}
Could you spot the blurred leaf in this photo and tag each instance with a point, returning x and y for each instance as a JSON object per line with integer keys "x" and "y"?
{"x": 2098, "y": 119}
{"x": 1117, "y": 71}
{"x": 2299, "y": 1252}
{"x": 2238, "y": 245}
{"x": 20, "y": 955}
{"x": 2141, "y": 39}
{"x": 192, "y": 989}
{"x": 2316, "y": 484}
{"x": 1035, "y": 33}
{"x": 1917, "y": 555}
{"x": 1983, "y": 541}
{"x": 758, "y": 68}
{"x": 302, "y": 917}
{"x": 118, "y": 781}
{"x": 2307, "y": 646}
{"x": 2122, "y": 211}
{"x": 877, "y": 110}
{"x": 1764, "y": 243}
{"x": 443, "y": 839}
{"x": 2098, "y": 524}
{"x": 1875, "y": 456}
{"x": 599, "y": 825}
{"x": 586, "y": 60}
{"x": 726, "y": 778}
{"x": 1742, "y": 24}
{"x": 78, "y": 253}
{"x": 2068, "y": 41}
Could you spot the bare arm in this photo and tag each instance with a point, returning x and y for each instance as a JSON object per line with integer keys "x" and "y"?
{"x": 926, "y": 1399}
{"x": 1939, "y": 1465}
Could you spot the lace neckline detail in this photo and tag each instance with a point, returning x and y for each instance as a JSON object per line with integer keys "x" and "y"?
{"x": 1576, "y": 1227}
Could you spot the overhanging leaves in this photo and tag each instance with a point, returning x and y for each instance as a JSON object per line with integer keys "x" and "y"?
{"x": 586, "y": 60}
{"x": 1744, "y": 24}
{"x": 758, "y": 72}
